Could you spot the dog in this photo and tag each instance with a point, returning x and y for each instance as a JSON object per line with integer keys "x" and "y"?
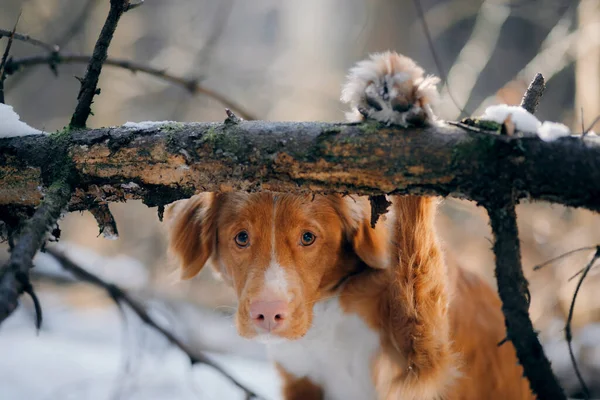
{"x": 349, "y": 311}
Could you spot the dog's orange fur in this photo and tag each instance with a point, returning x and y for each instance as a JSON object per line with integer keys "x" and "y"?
{"x": 439, "y": 330}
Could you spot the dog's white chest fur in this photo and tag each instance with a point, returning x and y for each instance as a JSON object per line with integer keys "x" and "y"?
{"x": 336, "y": 353}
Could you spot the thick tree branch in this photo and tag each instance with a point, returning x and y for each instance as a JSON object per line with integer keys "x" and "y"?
{"x": 121, "y": 296}
{"x": 164, "y": 163}
{"x": 14, "y": 275}
{"x": 90, "y": 81}
{"x": 513, "y": 288}
{"x": 514, "y": 293}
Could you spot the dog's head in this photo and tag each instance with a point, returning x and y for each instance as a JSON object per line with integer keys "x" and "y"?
{"x": 281, "y": 253}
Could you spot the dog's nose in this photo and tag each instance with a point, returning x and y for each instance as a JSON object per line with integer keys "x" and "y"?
{"x": 268, "y": 315}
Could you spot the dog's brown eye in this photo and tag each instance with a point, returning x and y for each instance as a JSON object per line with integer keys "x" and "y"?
{"x": 242, "y": 239}
{"x": 308, "y": 238}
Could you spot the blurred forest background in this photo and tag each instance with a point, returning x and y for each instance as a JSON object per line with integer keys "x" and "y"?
{"x": 280, "y": 60}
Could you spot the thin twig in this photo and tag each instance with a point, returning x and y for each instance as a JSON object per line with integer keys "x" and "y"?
{"x": 436, "y": 60}
{"x": 192, "y": 85}
{"x": 89, "y": 84}
{"x": 121, "y": 296}
{"x": 28, "y": 39}
{"x": 14, "y": 275}
{"x": 594, "y": 122}
{"x": 534, "y": 92}
{"x": 5, "y": 58}
{"x": 568, "y": 253}
{"x": 133, "y": 6}
{"x": 568, "y": 331}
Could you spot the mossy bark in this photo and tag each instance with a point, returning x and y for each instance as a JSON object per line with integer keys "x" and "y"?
{"x": 166, "y": 163}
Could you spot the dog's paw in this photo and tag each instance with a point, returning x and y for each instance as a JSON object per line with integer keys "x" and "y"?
{"x": 390, "y": 88}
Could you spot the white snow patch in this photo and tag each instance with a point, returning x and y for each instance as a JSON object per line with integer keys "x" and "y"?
{"x": 83, "y": 361}
{"x": 523, "y": 120}
{"x": 550, "y": 131}
{"x": 146, "y": 124}
{"x": 11, "y": 124}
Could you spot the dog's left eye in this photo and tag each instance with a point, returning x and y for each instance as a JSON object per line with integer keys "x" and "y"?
{"x": 308, "y": 238}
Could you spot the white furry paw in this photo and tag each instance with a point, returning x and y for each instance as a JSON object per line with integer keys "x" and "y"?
{"x": 390, "y": 88}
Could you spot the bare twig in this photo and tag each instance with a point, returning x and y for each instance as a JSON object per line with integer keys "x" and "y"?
{"x": 133, "y": 6}
{"x": 560, "y": 257}
{"x": 106, "y": 221}
{"x": 482, "y": 43}
{"x": 594, "y": 122}
{"x": 436, "y": 60}
{"x": 11, "y": 37}
{"x": 89, "y": 83}
{"x": 514, "y": 293}
{"x": 14, "y": 275}
{"x": 568, "y": 331}
{"x": 534, "y": 92}
{"x": 28, "y": 39}
{"x": 231, "y": 117}
{"x": 192, "y": 85}
{"x": 120, "y": 296}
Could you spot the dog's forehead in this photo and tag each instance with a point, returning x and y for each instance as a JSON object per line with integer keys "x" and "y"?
{"x": 269, "y": 208}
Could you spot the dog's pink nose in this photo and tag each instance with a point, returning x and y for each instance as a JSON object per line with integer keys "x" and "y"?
{"x": 268, "y": 315}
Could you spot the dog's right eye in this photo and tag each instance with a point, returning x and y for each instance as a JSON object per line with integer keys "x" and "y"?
{"x": 242, "y": 239}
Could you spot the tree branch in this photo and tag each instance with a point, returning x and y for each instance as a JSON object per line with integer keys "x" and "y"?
{"x": 514, "y": 293}
{"x": 14, "y": 275}
{"x": 121, "y": 296}
{"x": 513, "y": 288}
{"x": 90, "y": 81}
{"x": 534, "y": 92}
{"x": 191, "y": 85}
{"x": 105, "y": 220}
{"x": 50, "y": 48}
{"x": 163, "y": 163}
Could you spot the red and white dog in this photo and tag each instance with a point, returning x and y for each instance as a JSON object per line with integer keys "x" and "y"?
{"x": 349, "y": 311}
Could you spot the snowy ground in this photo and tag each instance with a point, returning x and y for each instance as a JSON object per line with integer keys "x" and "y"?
{"x": 91, "y": 355}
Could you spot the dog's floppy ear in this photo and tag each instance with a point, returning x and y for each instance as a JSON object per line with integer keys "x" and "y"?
{"x": 193, "y": 231}
{"x": 372, "y": 245}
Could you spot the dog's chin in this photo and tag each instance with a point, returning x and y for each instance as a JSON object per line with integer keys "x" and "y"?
{"x": 268, "y": 338}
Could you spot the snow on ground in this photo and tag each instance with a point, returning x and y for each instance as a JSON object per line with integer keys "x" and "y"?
{"x": 11, "y": 124}
{"x": 88, "y": 354}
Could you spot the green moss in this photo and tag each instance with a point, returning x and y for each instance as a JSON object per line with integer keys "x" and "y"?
{"x": 486, "y": 125}
{"x": 370, "y": 127}
{"x": 172, "y": 127}
{"x": 478, "y": 147}
{"x": 59, "y": 165}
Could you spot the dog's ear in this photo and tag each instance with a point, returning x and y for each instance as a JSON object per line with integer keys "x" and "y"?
{"x": 372, "y": 245}
{"x": 192, "y": 225}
